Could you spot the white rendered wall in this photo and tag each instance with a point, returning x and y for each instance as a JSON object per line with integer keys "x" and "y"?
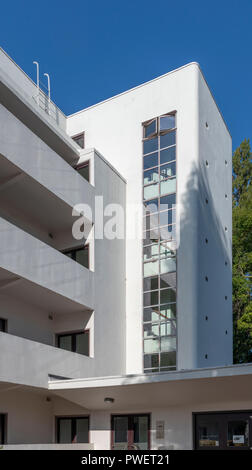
{"x": 114, "y": 128}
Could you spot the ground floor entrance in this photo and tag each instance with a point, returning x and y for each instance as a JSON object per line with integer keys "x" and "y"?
{"x": 130, "y": 432}
{"x": 224, "y": 431}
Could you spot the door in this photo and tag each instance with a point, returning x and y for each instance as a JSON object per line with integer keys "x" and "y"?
{"x": 223, "y": 431}
{"x": 130, "y": 432}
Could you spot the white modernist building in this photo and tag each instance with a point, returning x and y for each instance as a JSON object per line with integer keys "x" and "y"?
{"x": 116, "y": 270}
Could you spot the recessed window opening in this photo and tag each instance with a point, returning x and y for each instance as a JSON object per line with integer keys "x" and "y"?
{"x": 80, "y": 139}
{"x": 84, "y": 170}
{"x": 77, "y": 342}
{"x": 80, "y": 254}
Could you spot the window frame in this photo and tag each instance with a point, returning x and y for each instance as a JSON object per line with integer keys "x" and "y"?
{"x": 78, "y": 248}
{"x": 76, "y": 136}
{"x": 73, "y": 334}
{"x": 83, "y": 165}
{"x": 157, "y": 233}
{"x": 72, "y": 417}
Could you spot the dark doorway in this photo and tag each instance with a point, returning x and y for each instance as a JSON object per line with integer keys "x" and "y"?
{"x": 130, "y": 432}
{"x": 230, "y": 430}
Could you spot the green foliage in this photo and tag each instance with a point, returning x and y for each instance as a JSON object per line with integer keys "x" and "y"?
{"x": 242, "y": 253}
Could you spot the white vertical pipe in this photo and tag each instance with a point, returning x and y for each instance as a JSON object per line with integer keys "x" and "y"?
{"x": 37, "y": 67}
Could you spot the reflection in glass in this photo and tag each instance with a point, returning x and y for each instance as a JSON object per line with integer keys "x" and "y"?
{"x": 167, "y": 122}
{"x": 151, "y": 361}
{"x": 168, "y": 170}
{"x": 167, "y": 139}
{"x": 150, "y": 160}
{"x": 151, "y": 346}
{"x": 168, "y": 359}
{"x": 151, "y": 314}
{"x": 151, "y": 329}
{"x": 168, "y": 344}
{"x": 151, "y": 191}
{"x": 150, "y": 145}
{"x": 150, "y": 128}
{"x": 168, "y": 311}
{"x": 151, "y": 176}
{"x": 209, "y": 435}
{"x": 168, "y": 186}
{"x": 238, "y": 433}
{"x": 167, "y": 296}
{"x": 151, "y": 251}
{"x": 151, "y": 298}
{"x": 151, "y": 206}
{"x": 151, "y": 283}
{"x": 150, "y": 269}
{"x": 167, "y": 155}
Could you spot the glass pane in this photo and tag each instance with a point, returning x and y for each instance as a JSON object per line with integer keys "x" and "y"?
{"x": 168, "y": 233}
{"x": 166, "y": 202}
{"x": 150, "y": 128}
{"x": 167, "y": 139}
{"x": 167, "y": 265}
{"x": 79, "y": 139}
{"x": 65, "y": 342}
{"x": 151, "y": 251}
{"x": 167, "y": 217}
{"x": 84, "y": 171}
{"x": 82, "y": 256}
{"x": 168, "y": 311}
{"x": 168, "y": 359}
{"x": 168, "y": 344}
{"x": 168, "y": 280}
{"x": 209, "y": 434}
{"x": 151, "y": 361}
{"x": 81, "y": 430}
{"x": 65, "y": 431}
{"x": 168, "y": 170}
{"x": 168, "y": 186}
{"x": 167, "y": 296}
{"x": 151, "y": 221}
{"x": 151, "y": 283}
{"x": 150, "y": 160}
{"x": 120, "y": 432}
{"x": 140, "y": 433}
{"x": 151, "y": 298}
{"x": 82, "y": 343}
{"x": 168, "y": 155}
{"x": 151, "y": 269}
{"x": 150, "y": 145}
{"x": 151, "y": 236}
{"x": 151, "y": 330}
{"x": 168, "y": 328}
{"x": 151, "y": 346}
{"x": 151, "y": 206}
{"x": 151, "y": 191}
{"x": 167, "y": 122}
{"x": 165, "y": 249}
{"x": 151, "y": 314}
{"x": 151, "y": 176}
{"x": 238, "y": 433}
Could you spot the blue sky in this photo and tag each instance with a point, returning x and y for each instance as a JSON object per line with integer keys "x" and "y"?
{"x": 94, "y": 49}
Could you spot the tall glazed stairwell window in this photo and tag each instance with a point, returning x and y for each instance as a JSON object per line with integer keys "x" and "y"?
{"x": 159, "y": 256}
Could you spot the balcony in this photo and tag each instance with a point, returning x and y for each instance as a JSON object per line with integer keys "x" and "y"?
{"x": 19, "y": 94}
{"x": 29, "y": 363}
{"x": 33, "y": 271}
